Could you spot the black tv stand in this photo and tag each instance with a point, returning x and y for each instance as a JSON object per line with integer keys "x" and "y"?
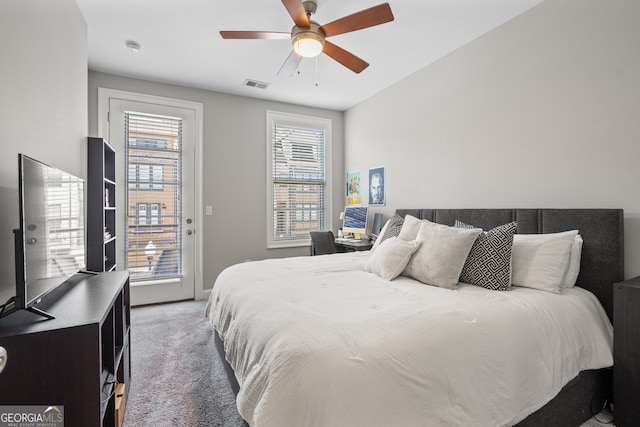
{"x": 81, "y": 359}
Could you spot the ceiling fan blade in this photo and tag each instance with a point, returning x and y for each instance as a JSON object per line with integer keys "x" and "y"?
{"x": 290, "y": 65}
{"x": 375, "y": 15}
{"x": 347, "y": 59}
{"x": 297, "y": 12}
{"x": 255, "y": 35}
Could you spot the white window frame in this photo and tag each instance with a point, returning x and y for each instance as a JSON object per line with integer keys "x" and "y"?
{"x": 296, "y": 120}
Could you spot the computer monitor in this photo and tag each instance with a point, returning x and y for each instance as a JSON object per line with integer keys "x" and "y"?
{"x": 355, "y": 220}
{"x": 377, "y": 224}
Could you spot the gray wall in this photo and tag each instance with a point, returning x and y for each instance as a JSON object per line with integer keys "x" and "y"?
{"x": 541, "y": 112}
{"x": 234, "y": 167}
{"x": 43, "y": 102}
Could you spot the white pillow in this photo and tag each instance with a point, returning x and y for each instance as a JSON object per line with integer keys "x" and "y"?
{"x": 410, "y": 228}
{"x": 391, "y": 257}
{"x": 574, "y": 265}
{"x": 379, "y": 238}
{"x": 541, "y": 261}
{"x": 441, "y": 255}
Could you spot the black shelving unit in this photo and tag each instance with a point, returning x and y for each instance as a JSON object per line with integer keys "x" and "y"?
{"x": 101, "y": 206}
{"x": 76, "y": 360}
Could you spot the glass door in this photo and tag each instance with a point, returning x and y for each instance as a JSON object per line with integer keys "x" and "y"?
{"x": 155, "y": 146}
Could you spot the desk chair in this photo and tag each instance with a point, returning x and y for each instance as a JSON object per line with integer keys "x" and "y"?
{"x": 322, "y": 242}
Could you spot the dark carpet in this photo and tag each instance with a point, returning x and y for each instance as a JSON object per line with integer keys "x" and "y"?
{"x": 177, "y": 377}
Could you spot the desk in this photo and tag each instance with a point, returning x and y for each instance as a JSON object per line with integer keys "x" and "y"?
{"x": 345, "y": 245}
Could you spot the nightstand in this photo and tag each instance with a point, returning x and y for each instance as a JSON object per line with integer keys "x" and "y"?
{"x": 626, "y": 352}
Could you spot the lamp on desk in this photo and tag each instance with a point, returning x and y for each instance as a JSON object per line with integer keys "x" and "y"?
{"x": 150, "y": 251}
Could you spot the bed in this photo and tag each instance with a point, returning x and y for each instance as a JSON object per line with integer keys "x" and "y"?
{"x": 320, "y": 341}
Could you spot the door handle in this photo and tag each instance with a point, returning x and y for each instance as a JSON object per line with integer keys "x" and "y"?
{"x": 189, "y": 232}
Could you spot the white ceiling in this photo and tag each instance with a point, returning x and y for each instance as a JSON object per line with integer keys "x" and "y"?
{"x": 181, "y": 44}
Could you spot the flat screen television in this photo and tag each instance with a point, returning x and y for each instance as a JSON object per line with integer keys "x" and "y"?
{"x": 355, "y": 220}
{"x": 50, "y": 243}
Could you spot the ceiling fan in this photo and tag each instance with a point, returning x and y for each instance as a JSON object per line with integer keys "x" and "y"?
{"x": 309, "y": 38}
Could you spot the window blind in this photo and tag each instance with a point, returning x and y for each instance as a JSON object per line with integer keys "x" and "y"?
{"x": 154, "y": 212}
{"x": 299, "y": 181}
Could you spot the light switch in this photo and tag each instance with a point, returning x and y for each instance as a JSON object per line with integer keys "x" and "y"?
{"x": 208, "y": 210}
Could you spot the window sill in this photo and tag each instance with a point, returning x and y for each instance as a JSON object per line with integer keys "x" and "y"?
{"x": 289, "y": 244}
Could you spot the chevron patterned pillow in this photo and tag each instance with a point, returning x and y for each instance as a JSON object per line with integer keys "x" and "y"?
{"x": 489, "y": 262}
{"x": 391, "y": 229}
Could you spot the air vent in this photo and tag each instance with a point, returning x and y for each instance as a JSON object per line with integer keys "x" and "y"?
{"x": 256, "y": 84}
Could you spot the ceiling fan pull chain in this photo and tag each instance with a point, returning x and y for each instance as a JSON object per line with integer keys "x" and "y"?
{"x": 316, "y": 71}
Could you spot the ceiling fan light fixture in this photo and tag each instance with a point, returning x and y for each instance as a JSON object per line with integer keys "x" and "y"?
{"x": 308, "y": 37}
{"x": 308, "y": 44}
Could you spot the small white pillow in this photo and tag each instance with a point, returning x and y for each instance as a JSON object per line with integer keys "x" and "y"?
{"x": 441, "y": 255}
{"x": 574, "y": 265}
{"x": 391, "y": 257}
{"x": 541, "y": 261}
{"x": 410, "y": 228}
{"x": 379, "y": 239}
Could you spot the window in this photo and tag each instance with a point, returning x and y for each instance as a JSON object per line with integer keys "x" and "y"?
{"x": 144, "y": 177}
{"x": 148, "y": 213}
{"x": 154, "y": 162}
{"x": 298, "y": 167}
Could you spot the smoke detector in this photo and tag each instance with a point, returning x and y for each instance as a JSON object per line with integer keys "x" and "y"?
{"x": 133, "y": 46}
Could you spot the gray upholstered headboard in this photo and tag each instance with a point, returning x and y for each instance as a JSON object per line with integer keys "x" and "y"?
{"x": 602, "y": 230}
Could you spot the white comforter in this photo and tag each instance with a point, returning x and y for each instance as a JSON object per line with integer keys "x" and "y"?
{"x": 317, "y": 341}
